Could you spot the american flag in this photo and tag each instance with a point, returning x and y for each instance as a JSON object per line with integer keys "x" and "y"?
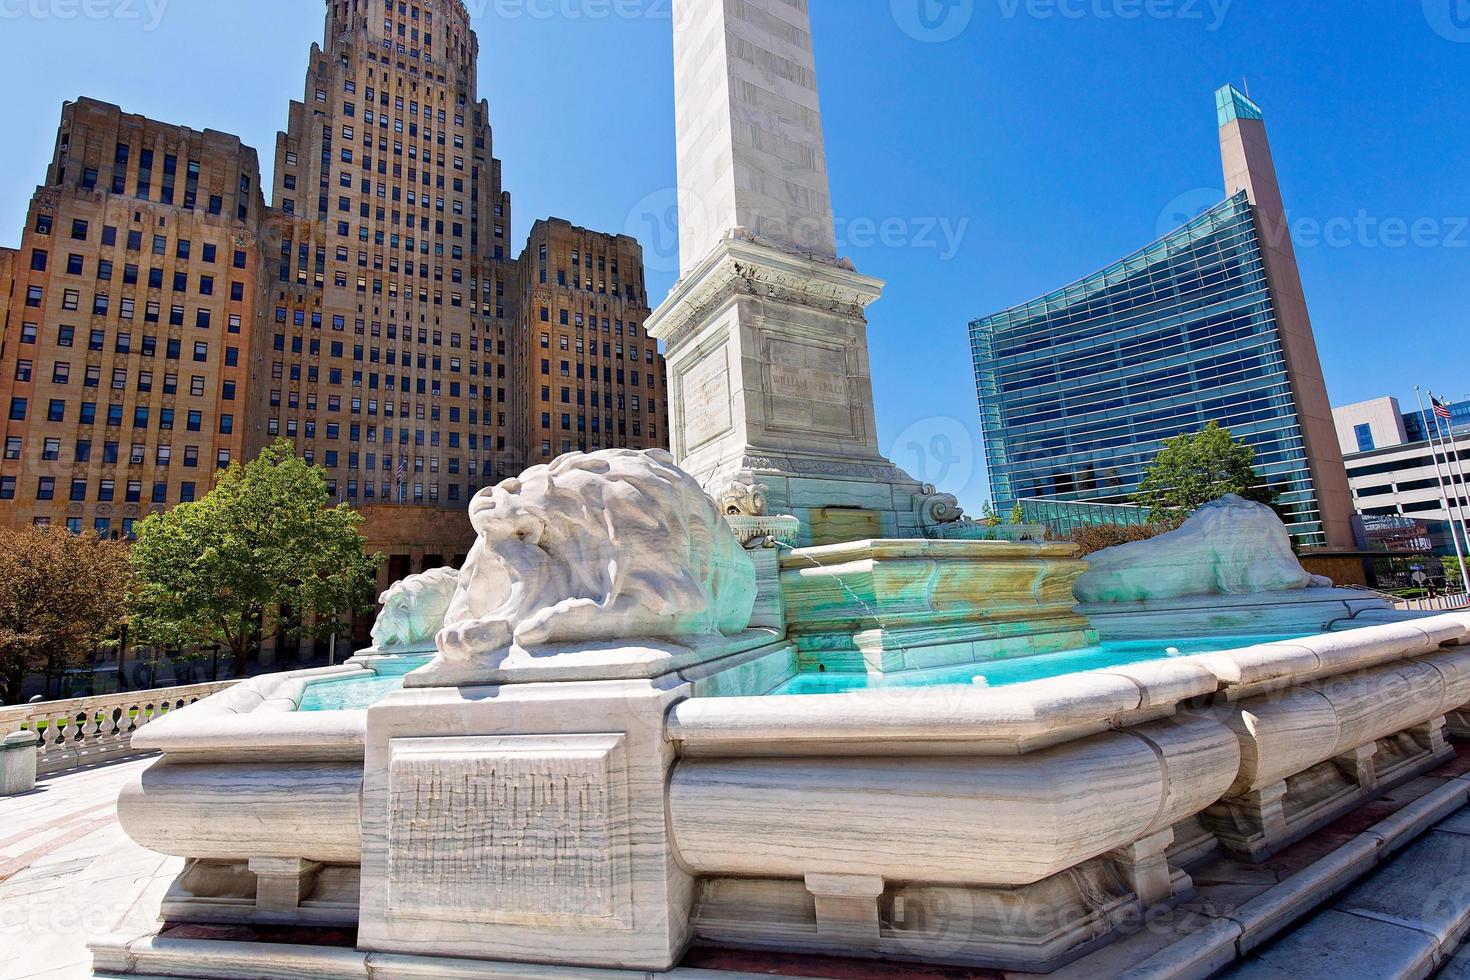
{"x": 402, "y": 467}
{"x": 1440, "y": 409}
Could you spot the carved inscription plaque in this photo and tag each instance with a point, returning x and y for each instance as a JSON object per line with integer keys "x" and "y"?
{"x": 812, "y": 383}
{"x": 508, "y": 829}
{"x": 706, "y": 399}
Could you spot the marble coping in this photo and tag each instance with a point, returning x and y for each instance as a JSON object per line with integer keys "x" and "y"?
{"x": 1037, "y": 715}
{"x": 257, "y": 720}
{"x": 864, "y": 551}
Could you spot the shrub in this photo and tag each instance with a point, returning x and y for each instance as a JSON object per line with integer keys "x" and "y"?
{"x": 1099, "y": 537}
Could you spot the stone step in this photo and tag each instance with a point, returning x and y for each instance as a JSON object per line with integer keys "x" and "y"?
{"x": 1403, "y": 921}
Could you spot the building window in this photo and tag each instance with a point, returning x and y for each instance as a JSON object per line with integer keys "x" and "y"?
{"x": 1364, "y": 435}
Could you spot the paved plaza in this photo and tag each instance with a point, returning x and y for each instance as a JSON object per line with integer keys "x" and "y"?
{"x": 68, "y": 872}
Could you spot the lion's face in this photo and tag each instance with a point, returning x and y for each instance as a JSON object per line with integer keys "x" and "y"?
{"x": 414, "y": 609}
{"x": 599, "y": 547}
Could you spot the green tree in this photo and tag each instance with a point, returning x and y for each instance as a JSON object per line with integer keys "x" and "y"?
{"x": 263, "y": 551}
{"x": 1452, "y": 581}
{"x": 61, "y": 594}
{"x": 988, "y": 516}
{"x": 1018, "y": 515}
{"x": 1195, "y": 468}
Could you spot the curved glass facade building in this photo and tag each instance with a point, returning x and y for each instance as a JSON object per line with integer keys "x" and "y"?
{"x": 1079, "y": 389}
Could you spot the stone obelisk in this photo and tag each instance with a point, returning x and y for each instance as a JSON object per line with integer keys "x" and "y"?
{"x": 765, "y": 331}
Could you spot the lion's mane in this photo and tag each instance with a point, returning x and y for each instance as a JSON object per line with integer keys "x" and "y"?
{"x": 608, "y": 546}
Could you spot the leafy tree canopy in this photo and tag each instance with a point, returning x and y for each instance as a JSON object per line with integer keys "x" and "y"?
{"x": 1195, "y": 468}
{"x": 264, "y": 550}
{"x": 61, "y": 594}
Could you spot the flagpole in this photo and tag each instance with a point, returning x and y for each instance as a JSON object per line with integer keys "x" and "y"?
{"x": 1457, "y": 470}
{"x": 1443, "y": 496}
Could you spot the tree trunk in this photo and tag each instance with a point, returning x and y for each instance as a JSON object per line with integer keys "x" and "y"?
{"x": 239, "y": 653}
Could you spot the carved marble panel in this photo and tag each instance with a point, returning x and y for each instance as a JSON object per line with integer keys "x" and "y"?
{"x": 509, "y": 829}
{"x": 705, "y": 398}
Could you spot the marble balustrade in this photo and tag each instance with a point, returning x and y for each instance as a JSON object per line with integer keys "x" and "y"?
{"x": 81, "y": 731}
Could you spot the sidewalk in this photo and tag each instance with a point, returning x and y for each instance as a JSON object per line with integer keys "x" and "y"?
{"x": 67, "y": 871}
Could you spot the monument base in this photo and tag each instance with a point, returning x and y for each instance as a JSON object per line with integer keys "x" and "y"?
{"x": 769, "y": 379}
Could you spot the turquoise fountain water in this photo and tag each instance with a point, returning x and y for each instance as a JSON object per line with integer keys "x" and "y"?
{"x": 356, "y": 693}
{"x": 1002, "y": 673}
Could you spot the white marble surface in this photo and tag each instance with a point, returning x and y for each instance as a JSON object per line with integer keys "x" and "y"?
{"x": 413, "y": 611}
{"x": 18, "y": 760}
{"x": 1229, "y": 547}
{"x": 769, "y": 373}
{"x": 604, "y": 550}
{"x": 1040, "y": 814}
{"x": 68, "y": 872}
{"x": 749, "y": 126}
{"x": 1293, "y": 612}
{"x": 562, "y": 852}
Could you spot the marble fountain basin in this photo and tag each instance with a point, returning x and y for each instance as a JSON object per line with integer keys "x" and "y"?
{"x": 1012, "y": 826}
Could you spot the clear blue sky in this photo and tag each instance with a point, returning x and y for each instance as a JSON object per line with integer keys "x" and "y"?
{"x": 1044, "y": 137}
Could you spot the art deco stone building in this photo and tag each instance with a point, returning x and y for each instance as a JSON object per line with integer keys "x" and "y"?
{"x": 587, "y": 375}
{"x": 387, "y": 357}
{"x": 160, "y": 320}
{"x": 131, "y": 311}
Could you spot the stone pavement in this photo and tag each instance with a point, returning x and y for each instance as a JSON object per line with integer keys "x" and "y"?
{"x": 67, "y": 871}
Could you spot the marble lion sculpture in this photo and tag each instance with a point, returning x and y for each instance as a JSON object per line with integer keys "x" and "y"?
{"x": 413, "y": 610}
{"x": 596, "y": 548}
{"x": 1229, "y": 547}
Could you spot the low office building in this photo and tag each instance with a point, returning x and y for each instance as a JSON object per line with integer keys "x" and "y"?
{"x": 1395, "y": 472}
{"x": 1079, "y": 389}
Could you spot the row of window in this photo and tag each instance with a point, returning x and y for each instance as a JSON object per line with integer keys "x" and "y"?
{"x": 56, "y": 412}
{"x": 137, "y": 455}
{"x": 183, "y": 247}
{"x": 566, "y": 423}
{"x": 106, "y": 490}
{"x": 123, "y": 342}
{"x": 92, "y": 378}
